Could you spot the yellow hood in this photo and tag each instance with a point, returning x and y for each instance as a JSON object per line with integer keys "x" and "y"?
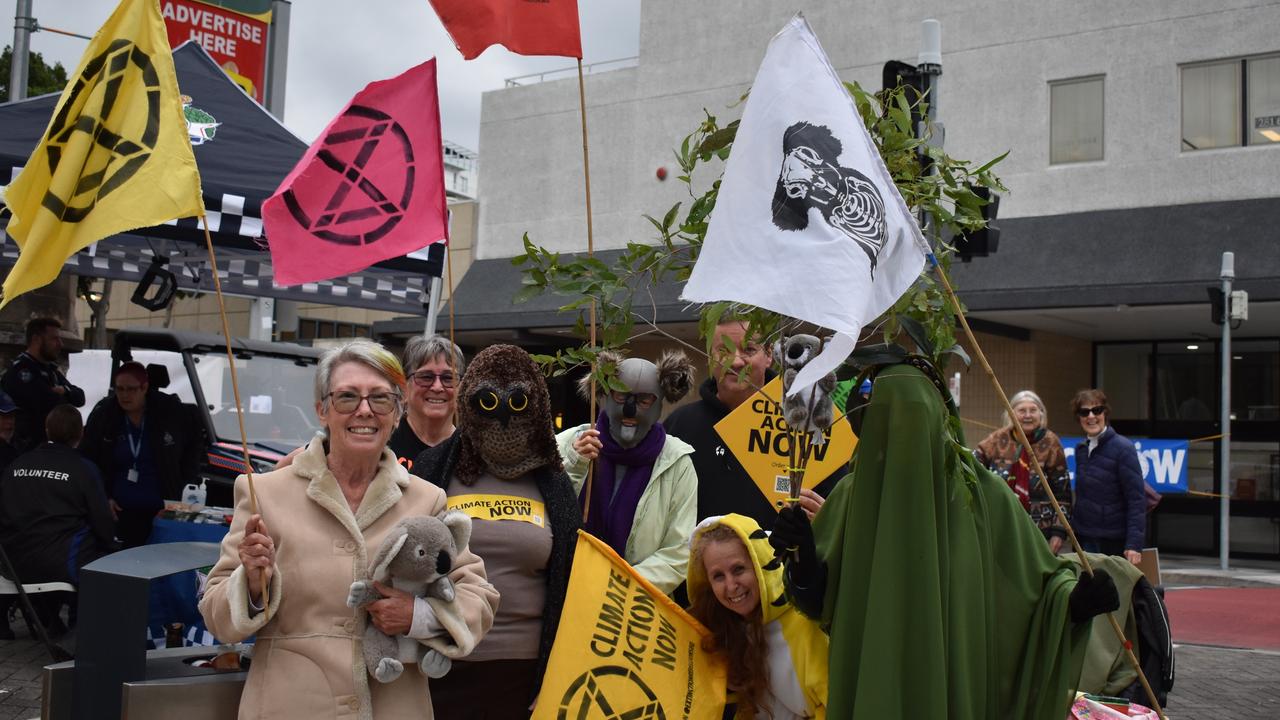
{"x": 773, "y": 599}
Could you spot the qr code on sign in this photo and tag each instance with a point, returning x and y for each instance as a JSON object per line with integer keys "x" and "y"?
{"x": 782, "y": 484}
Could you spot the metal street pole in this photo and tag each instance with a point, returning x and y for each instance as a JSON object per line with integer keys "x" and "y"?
{"x": 1224, "y": 447}
{"x": 21, "y": 50}
{"x": 929, "y": 67}
{"x": 433, "y": 306}
{"x": 277, "y": 57}
{"x": 273, "y": 98}
{"x": 929, "y": 63}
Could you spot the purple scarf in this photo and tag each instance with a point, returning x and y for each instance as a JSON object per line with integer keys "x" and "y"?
{"x": 612, "y": 512}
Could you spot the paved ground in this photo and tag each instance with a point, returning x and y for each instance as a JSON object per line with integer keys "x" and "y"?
{"x": 1224, "y": 683}
{"x": 20, "y": 664}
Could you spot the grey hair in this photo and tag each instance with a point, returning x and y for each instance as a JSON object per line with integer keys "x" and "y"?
{"x": 1025, "y": 396}
{"x": 367, "y": 353}
{"x": 423, "y": 348}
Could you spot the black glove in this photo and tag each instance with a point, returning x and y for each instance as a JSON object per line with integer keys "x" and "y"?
{"x": 1094, "y": 594}
{"x": 805, "y": 575}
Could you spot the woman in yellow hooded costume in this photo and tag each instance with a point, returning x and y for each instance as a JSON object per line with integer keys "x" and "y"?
{"x": 777, "y": 657}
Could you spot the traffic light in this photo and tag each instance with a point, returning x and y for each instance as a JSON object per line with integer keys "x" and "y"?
{"x": 985, "y": 240}
{"x": 899, "y": 74}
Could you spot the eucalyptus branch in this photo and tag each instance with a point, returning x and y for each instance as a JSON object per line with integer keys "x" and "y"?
{"x": 942, "y": 188}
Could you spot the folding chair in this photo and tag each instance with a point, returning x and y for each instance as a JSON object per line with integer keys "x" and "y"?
{"x": 10, "y": 587}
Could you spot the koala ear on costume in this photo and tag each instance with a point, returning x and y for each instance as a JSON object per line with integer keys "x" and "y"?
{"x": 459, "y": 524}
{"x": 777, "y": 350}
{"x": 675, "y": 375}
{"x": 390, "y": 548}
{"x": 584, "y": 383}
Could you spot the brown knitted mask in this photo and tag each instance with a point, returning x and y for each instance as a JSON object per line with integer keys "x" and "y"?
{"x": 505, "y": 416}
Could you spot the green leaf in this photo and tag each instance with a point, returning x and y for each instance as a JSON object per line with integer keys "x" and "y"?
{"x": 718, "y": 140}
{"x": 992, "y": 163}
{"x": 670, "y": 217}
{"x": 960, "y": 353}
{"x": 918, "y": 334}
{"x": 527, "y": 293}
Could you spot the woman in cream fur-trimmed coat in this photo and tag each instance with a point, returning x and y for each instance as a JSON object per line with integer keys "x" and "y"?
{"x": 308, "y": 661}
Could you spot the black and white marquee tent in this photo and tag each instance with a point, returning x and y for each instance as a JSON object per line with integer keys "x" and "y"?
{"x": 246, "y": 158}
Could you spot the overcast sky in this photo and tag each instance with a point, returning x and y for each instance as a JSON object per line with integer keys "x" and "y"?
{"x": 335, "y": 50}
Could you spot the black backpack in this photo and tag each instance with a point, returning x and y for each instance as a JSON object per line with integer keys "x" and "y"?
{"x": 1154, "y": 644}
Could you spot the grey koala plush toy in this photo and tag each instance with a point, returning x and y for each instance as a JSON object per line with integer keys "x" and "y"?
{"x": 416, "y": 557}
{"x": 812, "y": 409}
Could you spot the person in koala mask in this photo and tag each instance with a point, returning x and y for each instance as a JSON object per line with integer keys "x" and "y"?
{"x": 643, "y": 498}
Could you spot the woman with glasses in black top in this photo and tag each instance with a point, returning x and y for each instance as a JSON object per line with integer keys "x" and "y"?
{"x": 434, "y": 366}
{"x": 1110, "y": 511}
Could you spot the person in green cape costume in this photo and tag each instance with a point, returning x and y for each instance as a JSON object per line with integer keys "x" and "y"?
{"x": 940, "y": 596}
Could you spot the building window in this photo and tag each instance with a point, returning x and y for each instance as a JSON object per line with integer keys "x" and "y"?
{"x": 1263, "y": 97}
{"x": 1229, "y": 103}
{"x": 1124, "y": 374}
{"x": 1255, "y": 380}
{"x": 314, "y": 329}
{"x": 1187, "y": 381}
{"x": 1075, "y": 120}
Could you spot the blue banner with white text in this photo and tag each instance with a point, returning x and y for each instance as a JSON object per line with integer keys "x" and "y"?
{"x": 1164, "y": 462}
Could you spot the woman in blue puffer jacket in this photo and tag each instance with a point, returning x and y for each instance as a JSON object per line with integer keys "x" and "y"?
{"x": 1110, "y": 509}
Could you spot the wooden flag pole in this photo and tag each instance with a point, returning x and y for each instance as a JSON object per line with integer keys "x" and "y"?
{"x": 235, "y": 390}
{"x": 586, "y": 179}
{"x": 453, "y": 345}
{"x": 1044, "y": 482}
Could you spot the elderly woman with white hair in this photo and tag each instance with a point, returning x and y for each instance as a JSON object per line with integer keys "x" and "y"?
{"x": 1004, "y": 455}
{"x": 329, "y": 511}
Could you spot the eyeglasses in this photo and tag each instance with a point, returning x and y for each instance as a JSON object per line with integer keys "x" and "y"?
{"x": 1086, "y": 412}
{"x": 426, "y": 379}
{"x": 746, "y": 352}
{"x": 348, "y": 402}
{"x": 644, "y": 401}
{"x": 127, "y": 389}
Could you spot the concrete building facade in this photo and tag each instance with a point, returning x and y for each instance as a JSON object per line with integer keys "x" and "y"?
{"x": 1143, "y": 141}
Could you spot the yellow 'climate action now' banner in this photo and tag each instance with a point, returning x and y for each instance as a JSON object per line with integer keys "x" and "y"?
{"x": 624, "y": 649}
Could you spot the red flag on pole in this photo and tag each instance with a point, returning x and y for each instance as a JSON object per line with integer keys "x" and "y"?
{"x": 527, "y": 27}
{"x": 371, "y": 187}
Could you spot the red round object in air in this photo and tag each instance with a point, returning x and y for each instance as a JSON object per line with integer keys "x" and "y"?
{"x": 662, "y": 173}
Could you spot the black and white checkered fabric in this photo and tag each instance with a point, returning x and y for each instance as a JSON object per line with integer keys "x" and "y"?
{"x": 127, "y": 257}
{"x": 233, "y": 215}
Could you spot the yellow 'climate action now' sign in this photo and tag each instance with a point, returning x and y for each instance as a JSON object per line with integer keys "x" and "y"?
{"x": 758, "y": 437}
{"x": 625, "y": 650}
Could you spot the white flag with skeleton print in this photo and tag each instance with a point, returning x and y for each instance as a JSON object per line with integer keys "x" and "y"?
{"x": 808, "y": 222}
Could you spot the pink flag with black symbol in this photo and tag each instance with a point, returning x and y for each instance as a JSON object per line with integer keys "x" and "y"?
{"x": 371, "y": 187}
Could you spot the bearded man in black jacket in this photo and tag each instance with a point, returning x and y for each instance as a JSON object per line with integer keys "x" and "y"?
{"x": 739, "y": 368}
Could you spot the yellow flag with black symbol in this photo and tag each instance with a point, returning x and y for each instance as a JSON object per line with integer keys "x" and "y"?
{"x": 625, "y": 650}
{"x": 115, "y": 156}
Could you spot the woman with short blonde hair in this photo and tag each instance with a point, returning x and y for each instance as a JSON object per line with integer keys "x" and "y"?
{"x": 329, "y": 511}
